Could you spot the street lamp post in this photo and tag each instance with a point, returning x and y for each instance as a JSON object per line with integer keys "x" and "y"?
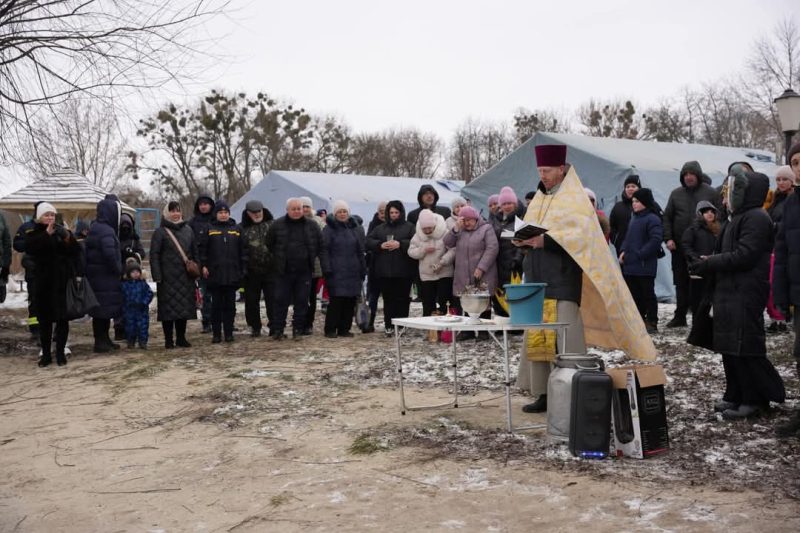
{"x": 788, "y": 105}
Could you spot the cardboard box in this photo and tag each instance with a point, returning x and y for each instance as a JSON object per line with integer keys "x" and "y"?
{"x": 639, "y": 411}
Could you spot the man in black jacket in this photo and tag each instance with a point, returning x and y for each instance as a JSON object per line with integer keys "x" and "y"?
{"x": 295, "y": 242}
{"x": 679, "y": 215}
{"x": 203, "y": 207}
{"x": 427, "y": 197}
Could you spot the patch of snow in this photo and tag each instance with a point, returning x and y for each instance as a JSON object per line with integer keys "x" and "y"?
{"x": 338, "y": 497}
{"x": 258, "y": 373}
{"x": 453, "y": 524}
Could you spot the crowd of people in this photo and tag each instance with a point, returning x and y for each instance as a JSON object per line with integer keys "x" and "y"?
{"x": 735, "y": 248}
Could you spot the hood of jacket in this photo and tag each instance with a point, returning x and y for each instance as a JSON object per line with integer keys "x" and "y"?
{"x": 246, "y": 222}
{"x": 209, "y": 199}
{"x": 438, "y": 230}
{"x": 692, "y": 167}
{"x": 126, "y": 225}
{"x": 754, "y": 192}
{"x": 427, "y": 188}
{"x": 397, "y": 204}
{"x": 108, "y": 212}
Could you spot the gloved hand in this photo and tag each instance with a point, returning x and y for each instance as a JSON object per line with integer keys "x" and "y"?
{"x": 698, "y": 267}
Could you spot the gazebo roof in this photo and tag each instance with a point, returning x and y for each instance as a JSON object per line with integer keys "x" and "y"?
{"x": 65, "y": 189}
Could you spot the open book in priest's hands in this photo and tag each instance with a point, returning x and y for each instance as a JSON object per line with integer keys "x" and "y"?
{"x": 522, "y": 230}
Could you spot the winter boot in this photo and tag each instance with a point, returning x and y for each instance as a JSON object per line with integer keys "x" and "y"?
{"x": 119, "y": 332}
{"x": 539, "y": 406}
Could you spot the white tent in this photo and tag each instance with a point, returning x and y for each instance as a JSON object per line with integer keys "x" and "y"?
{"x": 362, "y": 193}
{"x": 603, "y": 164}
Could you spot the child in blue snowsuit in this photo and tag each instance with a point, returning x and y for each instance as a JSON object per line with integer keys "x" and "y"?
{"x": 137, "y": 297}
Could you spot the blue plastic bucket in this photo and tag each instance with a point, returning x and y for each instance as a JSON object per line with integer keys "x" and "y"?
{"x": 525, "y": 302}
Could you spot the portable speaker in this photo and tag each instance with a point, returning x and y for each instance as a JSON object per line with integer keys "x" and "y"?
{"x": 590, "y": 414}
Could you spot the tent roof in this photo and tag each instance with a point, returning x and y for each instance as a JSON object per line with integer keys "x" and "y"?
{"x": 603, "y": 163}
{"x": 65, "y": 189}
{"x": 362, "y": 193}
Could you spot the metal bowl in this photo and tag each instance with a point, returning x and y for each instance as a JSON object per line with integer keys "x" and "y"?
{"x": 475, "y": 304}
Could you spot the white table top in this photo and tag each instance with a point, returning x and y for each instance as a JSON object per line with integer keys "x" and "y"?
{"x": 445, "y": 323}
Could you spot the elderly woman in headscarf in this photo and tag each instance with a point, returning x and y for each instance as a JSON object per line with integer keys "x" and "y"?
{"x": 344, "y": 268}
{"x": 176, "y": 290}
{"x": 55, "y": 254}
{"x": 104, "y": 271}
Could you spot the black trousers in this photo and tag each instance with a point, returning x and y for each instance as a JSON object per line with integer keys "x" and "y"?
{"x": 311, "y": 311}
{"x": 680, "y": 278}
{"x": 340, "y": 313}
{"x": 752, "y": 381}
{"x": 291, "y": 289}
{"x": 223, "y": 309}
{"x": 373, "y": 294}
{"x": 257, "y": 286}
{"x": 178, "y": 326}
{"x": 396, "y": 300}
{"x": 435, "y": 295}
{"x": 697, "y": 289}
{"x": 46, "y": 336}
{"x": 33, "y": 321}
{"x": 643, "y": 290}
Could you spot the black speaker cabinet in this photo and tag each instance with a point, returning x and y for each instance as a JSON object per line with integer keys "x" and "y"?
{"x": 590, "y": 414}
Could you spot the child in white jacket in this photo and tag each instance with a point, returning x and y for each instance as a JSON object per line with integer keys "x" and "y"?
{"x": 435, "y": 262}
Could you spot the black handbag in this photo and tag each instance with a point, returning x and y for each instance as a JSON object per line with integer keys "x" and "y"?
{"x": 363, "y": 313}
{"x": 80, "y": 298}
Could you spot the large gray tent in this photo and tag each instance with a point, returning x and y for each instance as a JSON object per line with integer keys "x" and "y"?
{"x": 362, "y": 193}
{"x": 603, "y": 164}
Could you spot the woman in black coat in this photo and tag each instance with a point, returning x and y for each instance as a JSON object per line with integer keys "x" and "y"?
{"x": 176, "y": 290}
{"x": 394, "y": 269}
{"x": 222, "y": 254}
{"x": 622, "y": 211}
{"x": 344, "y": 267}
{"x": 55, "y": 254}
{"x": 104, "y": 271}
{"x": 741, "y": 269}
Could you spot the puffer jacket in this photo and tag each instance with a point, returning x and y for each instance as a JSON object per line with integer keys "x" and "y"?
{"x": 618, "y": 221}
{"x": 259, "y": 256}
{"x": 285, "y": 253}
{"x": 786, "y": 274}
{"x": 19, "y": 245}
{"x": 222, "y": 252}
{"x": 344, "y": 264}
{"x": 393, "y": 263}
{"x": 698, "y": 240}
{"x": 741, "y": 269}
{"x": 103, "y": 266}
{"x": 54, "y": 258}
{"x": 200, "y": 221}
{"x": 441, "y": 255}
{"x": 176, "y": 291}
{"x": 641, "y": 244}
{"x": 682, "y": 204}
{"x": 474, "y": 249}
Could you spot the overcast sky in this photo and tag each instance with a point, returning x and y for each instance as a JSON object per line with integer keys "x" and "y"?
{"x": 431, "y": 64}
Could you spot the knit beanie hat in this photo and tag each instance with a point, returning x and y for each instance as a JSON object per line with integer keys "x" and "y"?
{"x": 645, "y": 196}
{"x": 493, "y": 199}
{"x": 306, "y": 201}
{"x": 591, "y": 195}
{"x": 507, "y": 195}
{"x": 633, "y": 178}
{"x": 43, "y": 208}
{"x": 132, "y": 264}
{"x": 221, "y": 205}
{"x": 468, "y": 212}
{"x": 785, "y": 172}
{"x": 427, "y": 219}
{"x": 458, "y": 201}
{"x": 795, "y": 149}
{"x": 340, "y": 204}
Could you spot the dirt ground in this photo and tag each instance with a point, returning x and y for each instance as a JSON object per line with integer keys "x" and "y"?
{"x": 307, "y": 435}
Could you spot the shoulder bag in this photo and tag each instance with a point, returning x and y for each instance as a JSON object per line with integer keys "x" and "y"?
{"x": 192, "y": 268}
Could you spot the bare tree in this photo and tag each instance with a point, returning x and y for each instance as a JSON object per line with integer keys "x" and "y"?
{"x": 409, "y": 153}
{"x": 83, "y": 135}
{"x": 527, "y": 123}
{"x": 476, "y": 147}
{"x": 51, "y": 51}
{"x": 610, "y": 119}
{"x": 665, "y": 122}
